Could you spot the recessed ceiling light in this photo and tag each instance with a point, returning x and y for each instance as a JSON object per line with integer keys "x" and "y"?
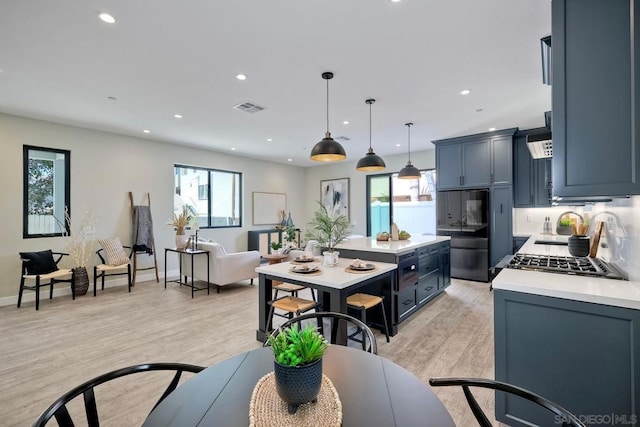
{"x": 492, "y": 129}
{"x": 107, "y": 18}
{"x": 396, "y": 1}
{"x": 397, "y": 145}
{"x": 289, "y": 160}
{"x": 241, "y": 76}
{"x": 233, "y": 148}
{"x": 146, "y": 131}
{"x": 465, "y": 92}
{"x": 269, "y": 139}
{"x": 346, "y": 122}
{"x": 112, "y": 98}
{"x": 177, "y": 116}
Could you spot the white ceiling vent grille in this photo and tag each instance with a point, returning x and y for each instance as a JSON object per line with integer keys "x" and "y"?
{"x": 343, "y": 138}
{"x": 249, "y": 107}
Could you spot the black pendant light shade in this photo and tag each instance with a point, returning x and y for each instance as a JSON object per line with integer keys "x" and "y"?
{"x": 328, "y": 150}
{"x": 371, "y": 161}
{"x": 409, "y": 171}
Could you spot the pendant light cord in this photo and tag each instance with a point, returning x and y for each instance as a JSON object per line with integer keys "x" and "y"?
{"x": 327, "y": 105}
{"x": 409, "y": 135}
{"x": 370, "y": 125}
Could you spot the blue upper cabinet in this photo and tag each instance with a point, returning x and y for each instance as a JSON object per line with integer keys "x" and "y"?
{"x": 475, "y": 161}
{"x": 596, "y": 109}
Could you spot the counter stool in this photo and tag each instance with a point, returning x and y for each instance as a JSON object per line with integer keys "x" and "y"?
{"x": 292, "y": 305}
{"x": 363, "y": 302}
{"x": 292, "y": 289}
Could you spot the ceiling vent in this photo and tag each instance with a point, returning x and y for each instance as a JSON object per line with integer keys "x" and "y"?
{"x": 249, "y": 107}
{"x": 343, "y": 138}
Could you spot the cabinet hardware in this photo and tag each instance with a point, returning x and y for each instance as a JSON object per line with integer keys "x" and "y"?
{"x": 501, "y": 208}
{"x": 407, "y": 302}
{"x": 460, "y": 180}
{"x": 492, "y": 181}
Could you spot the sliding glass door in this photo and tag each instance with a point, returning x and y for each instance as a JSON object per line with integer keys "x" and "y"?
{"x": 411, "y": 204}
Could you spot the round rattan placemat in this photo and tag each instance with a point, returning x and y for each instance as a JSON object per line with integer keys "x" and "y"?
{"x": 351, "y": 270}
{"x": 267, "y": 409}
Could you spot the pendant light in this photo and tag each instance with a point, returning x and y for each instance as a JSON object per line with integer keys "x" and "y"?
{"x": 409, "y": 171}
{"x": 371, "y": 161}
{"x": 327, "y": 150}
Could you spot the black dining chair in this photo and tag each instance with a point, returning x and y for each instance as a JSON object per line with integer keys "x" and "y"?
{"x": 59, "y": 411}
{"x": 328, "y": 324}
{"x": 568, "y": 419}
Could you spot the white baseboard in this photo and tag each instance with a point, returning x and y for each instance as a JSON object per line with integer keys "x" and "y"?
{"x": 30, "y": 296}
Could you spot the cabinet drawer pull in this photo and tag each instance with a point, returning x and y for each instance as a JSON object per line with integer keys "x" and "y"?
{"x": 429, "y": 288}
{"x": 407, "y": 302}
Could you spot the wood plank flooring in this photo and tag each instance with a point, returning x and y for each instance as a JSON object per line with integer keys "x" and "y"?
{"x": 46, "y": 353}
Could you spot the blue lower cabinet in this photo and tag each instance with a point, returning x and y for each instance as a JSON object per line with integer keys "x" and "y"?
{"x": 582, "y": 356}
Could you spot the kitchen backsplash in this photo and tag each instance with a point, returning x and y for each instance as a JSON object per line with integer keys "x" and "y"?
{"x": 620, "y": 241}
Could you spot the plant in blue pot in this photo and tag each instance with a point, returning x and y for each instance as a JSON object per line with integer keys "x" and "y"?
{"x": 298, "y": 364}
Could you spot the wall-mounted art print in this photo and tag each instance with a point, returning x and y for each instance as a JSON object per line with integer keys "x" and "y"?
{"x": 334, "y": 195}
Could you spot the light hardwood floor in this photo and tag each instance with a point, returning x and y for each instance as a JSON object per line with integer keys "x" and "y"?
{"x": 46, "y": 353}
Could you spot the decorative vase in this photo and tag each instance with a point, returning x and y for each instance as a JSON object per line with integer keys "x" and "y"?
{"x": 578, "y": 245}
{"x": 298, "y": 384}
{"x": 181, "y": 241}
{"x": 331, "y": 258}
{"x": 80, "y": 280}
{"x": 289, "y": 222}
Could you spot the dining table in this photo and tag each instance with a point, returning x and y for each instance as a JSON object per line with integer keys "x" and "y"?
{"x": 333, "y": 284}
{"x": 373, "y": 391}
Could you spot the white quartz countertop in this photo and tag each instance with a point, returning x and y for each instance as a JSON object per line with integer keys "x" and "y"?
{"x": 618, "y": 293}
{"x": 333, "y": 277}
{"x": 397, "y": 247}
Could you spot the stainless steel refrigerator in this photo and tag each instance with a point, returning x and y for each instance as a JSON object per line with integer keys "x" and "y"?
{"x": 464, "y": 216}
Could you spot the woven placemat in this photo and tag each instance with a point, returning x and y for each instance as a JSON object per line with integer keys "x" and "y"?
{"x": 315, "y": 273}
{"x": 293, "y": 261}
{"x": 267, "y": 409}
{"x": 351, "y": 270}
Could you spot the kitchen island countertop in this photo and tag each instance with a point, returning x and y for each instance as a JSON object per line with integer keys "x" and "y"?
{"x": 397, "y": 247}
{"x": 617, "y": 293}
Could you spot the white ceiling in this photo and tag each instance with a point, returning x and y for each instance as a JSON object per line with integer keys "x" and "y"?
{"x": 61, "y": 63}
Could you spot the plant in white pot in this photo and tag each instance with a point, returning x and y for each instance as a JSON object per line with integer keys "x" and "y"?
{"x": 328, "y": 231}
{"x": 180, "y": 222}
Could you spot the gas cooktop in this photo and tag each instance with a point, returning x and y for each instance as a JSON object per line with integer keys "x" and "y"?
{"x": 582, "y": 266}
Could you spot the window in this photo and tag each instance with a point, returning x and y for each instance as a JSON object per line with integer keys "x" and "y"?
{"x": 411, "y": 204}
{"x": 46, "y": 192}
{"x": 214, "y": 196}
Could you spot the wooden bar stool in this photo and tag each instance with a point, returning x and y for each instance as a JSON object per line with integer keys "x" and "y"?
{"x": 292, "y": 305}
{"x": 363, "y": 302}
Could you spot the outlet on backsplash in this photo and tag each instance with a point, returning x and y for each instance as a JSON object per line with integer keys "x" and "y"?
{"x": 529, "y": 218}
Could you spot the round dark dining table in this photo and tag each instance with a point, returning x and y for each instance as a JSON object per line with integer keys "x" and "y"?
{"x": 374, "y": 392}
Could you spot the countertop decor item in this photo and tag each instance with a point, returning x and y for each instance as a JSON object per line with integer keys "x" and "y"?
{"x": 328, "y": 150}
{"x": 578, "y": 245}
{"x": 298, "y": 363}
{"x": 409, "y": 171}
{"x": 564, "y": 225}
{"x": 371, "y": 161}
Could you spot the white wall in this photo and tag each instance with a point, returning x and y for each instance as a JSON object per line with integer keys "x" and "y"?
{"x": 104, "y": 168}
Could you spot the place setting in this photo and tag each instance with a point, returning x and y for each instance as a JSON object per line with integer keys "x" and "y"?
{"x": 360, "y": 267}
{"x": 304, "y": 258}
{"x": 307, "y": 269}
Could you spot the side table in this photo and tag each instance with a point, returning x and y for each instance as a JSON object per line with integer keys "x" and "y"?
{"x": 191, "y": 253}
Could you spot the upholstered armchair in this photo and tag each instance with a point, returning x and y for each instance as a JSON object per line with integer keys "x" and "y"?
{"x": 313, "y": 248}
{"x": 224, "y": 268}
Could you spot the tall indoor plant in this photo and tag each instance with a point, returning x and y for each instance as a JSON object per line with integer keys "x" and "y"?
{"x": 328, "y": 231}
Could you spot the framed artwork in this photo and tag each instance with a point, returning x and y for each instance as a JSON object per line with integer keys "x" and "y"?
{"x": 334, "y": 195}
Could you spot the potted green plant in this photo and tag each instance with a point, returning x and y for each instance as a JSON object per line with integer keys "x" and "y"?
{"x": 298, "y": 363}
{"x": 290, "y": 236}
{"x": 276, "y": 247}
{"x": 180, "y": 222}
{"x": 328, "y": 231}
